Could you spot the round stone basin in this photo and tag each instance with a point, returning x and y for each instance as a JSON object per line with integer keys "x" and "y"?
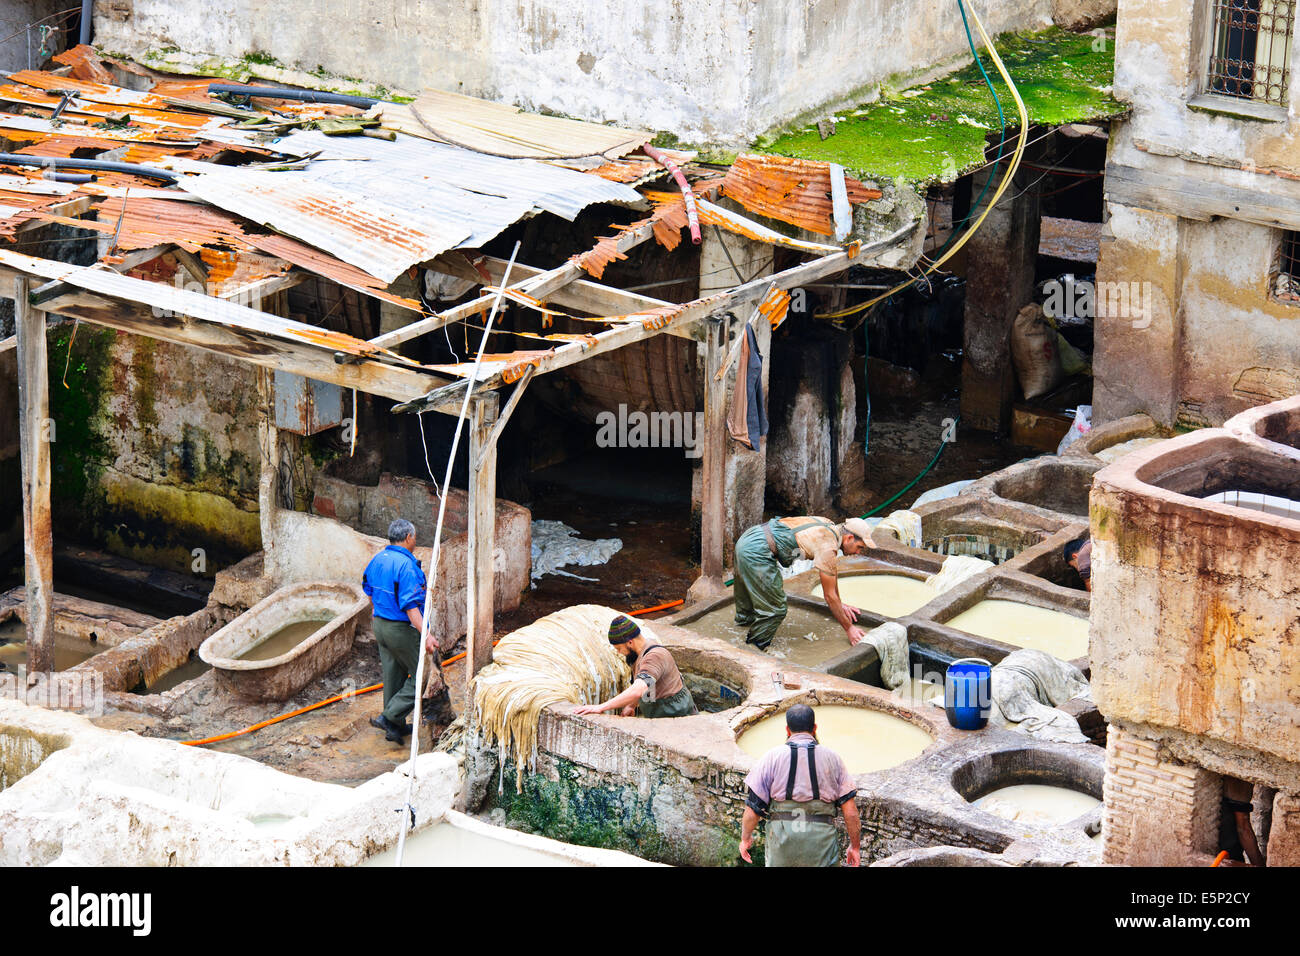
{"x": 1025, "y": 625}
{"x": 1037, "y": 804}
{"x": 890, "y": 595}
{"x": 866, "y": 739}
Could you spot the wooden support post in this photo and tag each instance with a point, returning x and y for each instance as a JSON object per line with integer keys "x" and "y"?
{"x": 268, "y": 443}
{"x": 713, "y": 504}
{"x": 36, "y": 432}
{"x": 482, "y": 537}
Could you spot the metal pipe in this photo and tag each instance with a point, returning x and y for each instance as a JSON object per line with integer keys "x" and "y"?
{"x": 283, "y": 93}
{"x": 692, "y": 216}
{"x": 62, "y": 162}
{"x": 87, "y": 15}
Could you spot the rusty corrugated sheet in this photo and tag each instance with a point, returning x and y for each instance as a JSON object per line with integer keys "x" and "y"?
{"x": 794, "y": 191}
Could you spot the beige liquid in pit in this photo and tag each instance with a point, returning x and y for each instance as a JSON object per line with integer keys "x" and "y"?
{"x": 1024, "y": 625}
{"x": 791, "y": 643}
{"x": 191, "y": 669}
{"x": 1037, "y": 804}
{"x": 866, "y": 740}
{"x": 284, "y": 640}
{"x": 69, "y": 650}
{"x": 447, "y": 845}
{"x": 891, "y": 595}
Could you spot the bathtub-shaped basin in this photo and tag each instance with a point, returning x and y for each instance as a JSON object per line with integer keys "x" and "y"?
{"x": 233, "y": 654}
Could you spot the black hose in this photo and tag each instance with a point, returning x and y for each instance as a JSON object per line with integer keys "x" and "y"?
{"x": 64, "y": 162}
{"x": 282, "y": 93}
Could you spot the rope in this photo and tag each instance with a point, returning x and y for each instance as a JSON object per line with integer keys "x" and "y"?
{"x": 433, "y": 562}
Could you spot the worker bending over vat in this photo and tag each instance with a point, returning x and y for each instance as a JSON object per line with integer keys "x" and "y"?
{"x": 657, "y": 689}
{"x": 764, "y": 549}
{"x": 394, "y": 582}
{"x": 1078, "y": 555}
{"x": 797, "y": 787}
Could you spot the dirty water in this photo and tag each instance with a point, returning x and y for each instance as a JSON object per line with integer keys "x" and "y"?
{"x": 69, "y": 650}
{"x": 866, "y": 740}
{"x": 192, "y": 668}
{"x": 1024, "y": 625}
{"x": 283, "y": 640}
{"x": 807, "y": 637}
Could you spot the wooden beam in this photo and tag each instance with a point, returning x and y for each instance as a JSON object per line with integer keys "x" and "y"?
{"x": 7, "y": 344}
{"x": 713, "y": 480}
{"x": 1193, "y": 197}
{"x": 690, "y": 312}
{"x": 69, "y": 208}
{"x": 540, "y": 286}
{"x": 35, "y": 436}
{"x": 263, "y": 288}
{"x": 480, "y": 587}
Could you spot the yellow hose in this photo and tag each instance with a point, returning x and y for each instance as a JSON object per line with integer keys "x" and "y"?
{"x": 997, "y": 195}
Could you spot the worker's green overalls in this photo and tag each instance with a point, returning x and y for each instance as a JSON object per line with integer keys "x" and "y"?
{"x": 802, "y": 833}
{"x": 680, "y": 704}
{"x": 760, "y": 594}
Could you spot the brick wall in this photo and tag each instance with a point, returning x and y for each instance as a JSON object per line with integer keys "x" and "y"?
{"x": 1159, "y": 812}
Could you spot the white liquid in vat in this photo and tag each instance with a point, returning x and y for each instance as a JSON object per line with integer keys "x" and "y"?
{"x": 1037, "y": 804}
{"x": 1024, "y": 625}
{"x": 891, "y": 595}
{"x": 865, "y": 739}
{"x": 446, "y": 845}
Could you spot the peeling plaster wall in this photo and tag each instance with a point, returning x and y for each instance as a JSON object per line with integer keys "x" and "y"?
{"x": 22, "y": 48}
{"x": 1213, "y": 341}
{"x": 716, "y": 71}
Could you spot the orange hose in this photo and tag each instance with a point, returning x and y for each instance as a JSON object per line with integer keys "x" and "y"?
{"x": 1223, "y": 855}
{"x": 365, "y": 690}
{"x": 275, "y": 720}
{"x": 657, "y": 607}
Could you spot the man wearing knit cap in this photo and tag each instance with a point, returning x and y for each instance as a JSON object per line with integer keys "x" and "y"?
{"x": 657, "y": 689}
{"x": 764, "y": 549}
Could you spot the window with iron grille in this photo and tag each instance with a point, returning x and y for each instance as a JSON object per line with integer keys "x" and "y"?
{"x": 1286, "y": 286}
{"x": 1252, "y": 49}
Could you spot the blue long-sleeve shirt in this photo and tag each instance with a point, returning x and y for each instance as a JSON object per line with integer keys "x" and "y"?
{"x": 394, "y": 582}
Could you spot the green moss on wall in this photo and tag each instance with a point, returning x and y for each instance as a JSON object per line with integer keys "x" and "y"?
{"x": 614, "y": 818}
{"x": 78, "y": 386}
{"x": 934, "y": 132}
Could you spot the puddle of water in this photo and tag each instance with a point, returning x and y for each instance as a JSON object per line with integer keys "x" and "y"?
{"x": 891, "y": 595}
{"x": 1024, "y": 625}
{"x": 865, "y": 739}
{"x": 69, "y": 650}
{"x": 1037, "y": 804}
{"x": 283, "y": 640}
{"x": 807, "y": 637}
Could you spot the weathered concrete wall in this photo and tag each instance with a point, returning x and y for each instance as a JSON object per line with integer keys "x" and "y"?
{"x": 716, "y": 71}
{"x": 20, "y": 22}
{"x": 11, "y": 516}
{"x": 1196, "y": 200}
{"x": 155, "y": 450}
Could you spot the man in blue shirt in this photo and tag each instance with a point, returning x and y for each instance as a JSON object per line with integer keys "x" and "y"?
{"x": 394, "y": 581}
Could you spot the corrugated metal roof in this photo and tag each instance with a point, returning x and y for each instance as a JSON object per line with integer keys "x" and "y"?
{"x": 797, "y": 191}
{"x": 385, "y": 206}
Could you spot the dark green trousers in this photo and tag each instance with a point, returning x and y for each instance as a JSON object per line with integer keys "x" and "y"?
{"x": 680, "y": 704}
{"x": 758, "y": 588}
{"x": 399, "y": 657}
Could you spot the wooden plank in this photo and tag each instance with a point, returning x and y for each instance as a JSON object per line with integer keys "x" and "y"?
{"x": 35, "y": 437}
{"x": 69, "y": 208}
{"x": 262, "y": 288}
{"x": 7, "y": 344}
{"x": 1192, "y": 197}
{"x": 482, "y": 539}
{"x": 540, "y": 286}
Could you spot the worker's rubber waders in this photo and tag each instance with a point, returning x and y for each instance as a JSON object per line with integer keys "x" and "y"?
{"x": 802, "y": 833}
{"x": 758, "y": 588}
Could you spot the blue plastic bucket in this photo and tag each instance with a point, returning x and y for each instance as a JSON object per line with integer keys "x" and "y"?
{"x": 968, "y": 693}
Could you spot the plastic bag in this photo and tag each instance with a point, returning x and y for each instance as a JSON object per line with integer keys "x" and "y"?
{"x": 1082, "y": 425}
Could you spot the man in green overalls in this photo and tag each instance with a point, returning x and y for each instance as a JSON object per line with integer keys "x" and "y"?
{"x": 657, "y": 689}
{"x": 764, "y": 549}
{"x": 797, "y": 787}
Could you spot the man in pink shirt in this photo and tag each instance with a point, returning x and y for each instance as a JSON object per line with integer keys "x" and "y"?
{"x": 797, "y": 788}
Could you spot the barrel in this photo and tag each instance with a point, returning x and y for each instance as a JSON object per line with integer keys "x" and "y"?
{"x": 968, "y": 693}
